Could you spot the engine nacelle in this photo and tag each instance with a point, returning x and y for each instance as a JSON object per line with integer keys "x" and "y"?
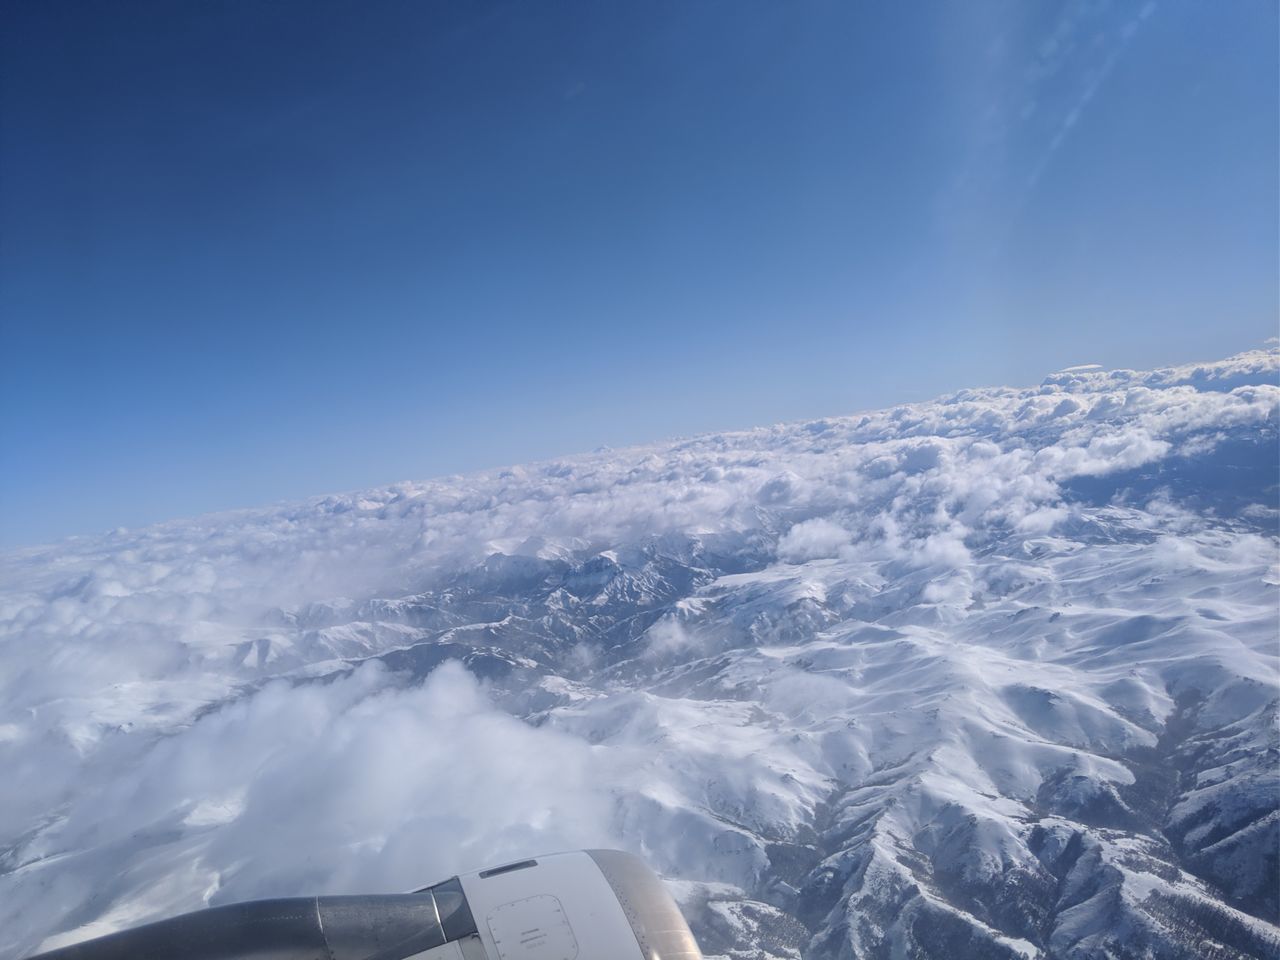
{"x": 587, "y": 905}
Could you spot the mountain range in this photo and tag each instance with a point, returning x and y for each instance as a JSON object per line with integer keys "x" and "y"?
{"x": 990, "y": 676}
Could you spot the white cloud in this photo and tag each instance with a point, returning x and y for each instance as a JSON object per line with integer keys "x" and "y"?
{"x": 812, "y": 540}
{"x": 349, "y": 786}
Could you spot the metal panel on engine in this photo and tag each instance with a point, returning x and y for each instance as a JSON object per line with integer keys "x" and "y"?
{"x": 559, "y": 907}
{"x": 534, "y": 928}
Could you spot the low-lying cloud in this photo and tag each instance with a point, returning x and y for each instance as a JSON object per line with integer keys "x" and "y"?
{"x": 355, "y": 785}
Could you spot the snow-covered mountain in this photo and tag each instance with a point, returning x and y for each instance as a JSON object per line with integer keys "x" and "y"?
{"x": 990, "y": 676}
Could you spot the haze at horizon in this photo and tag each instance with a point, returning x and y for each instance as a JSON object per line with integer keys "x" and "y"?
{"x": 259, "y": 252}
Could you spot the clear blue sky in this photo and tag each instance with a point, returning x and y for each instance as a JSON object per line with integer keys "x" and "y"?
{"x": 260, "y": 250}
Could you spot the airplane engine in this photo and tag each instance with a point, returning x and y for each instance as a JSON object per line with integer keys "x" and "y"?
{"x": 585, "y": 905}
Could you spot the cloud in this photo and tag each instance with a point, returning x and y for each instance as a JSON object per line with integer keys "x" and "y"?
{"x": 356, "y": 785}
{"x": 1094, "y": 60}
{"x": 812, "y": 540}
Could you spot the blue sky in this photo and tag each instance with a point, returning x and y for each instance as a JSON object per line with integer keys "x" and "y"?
{"x": 257, "y": 251}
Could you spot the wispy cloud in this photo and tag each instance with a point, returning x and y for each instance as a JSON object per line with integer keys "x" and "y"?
{"x": 1090, "y": 55}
